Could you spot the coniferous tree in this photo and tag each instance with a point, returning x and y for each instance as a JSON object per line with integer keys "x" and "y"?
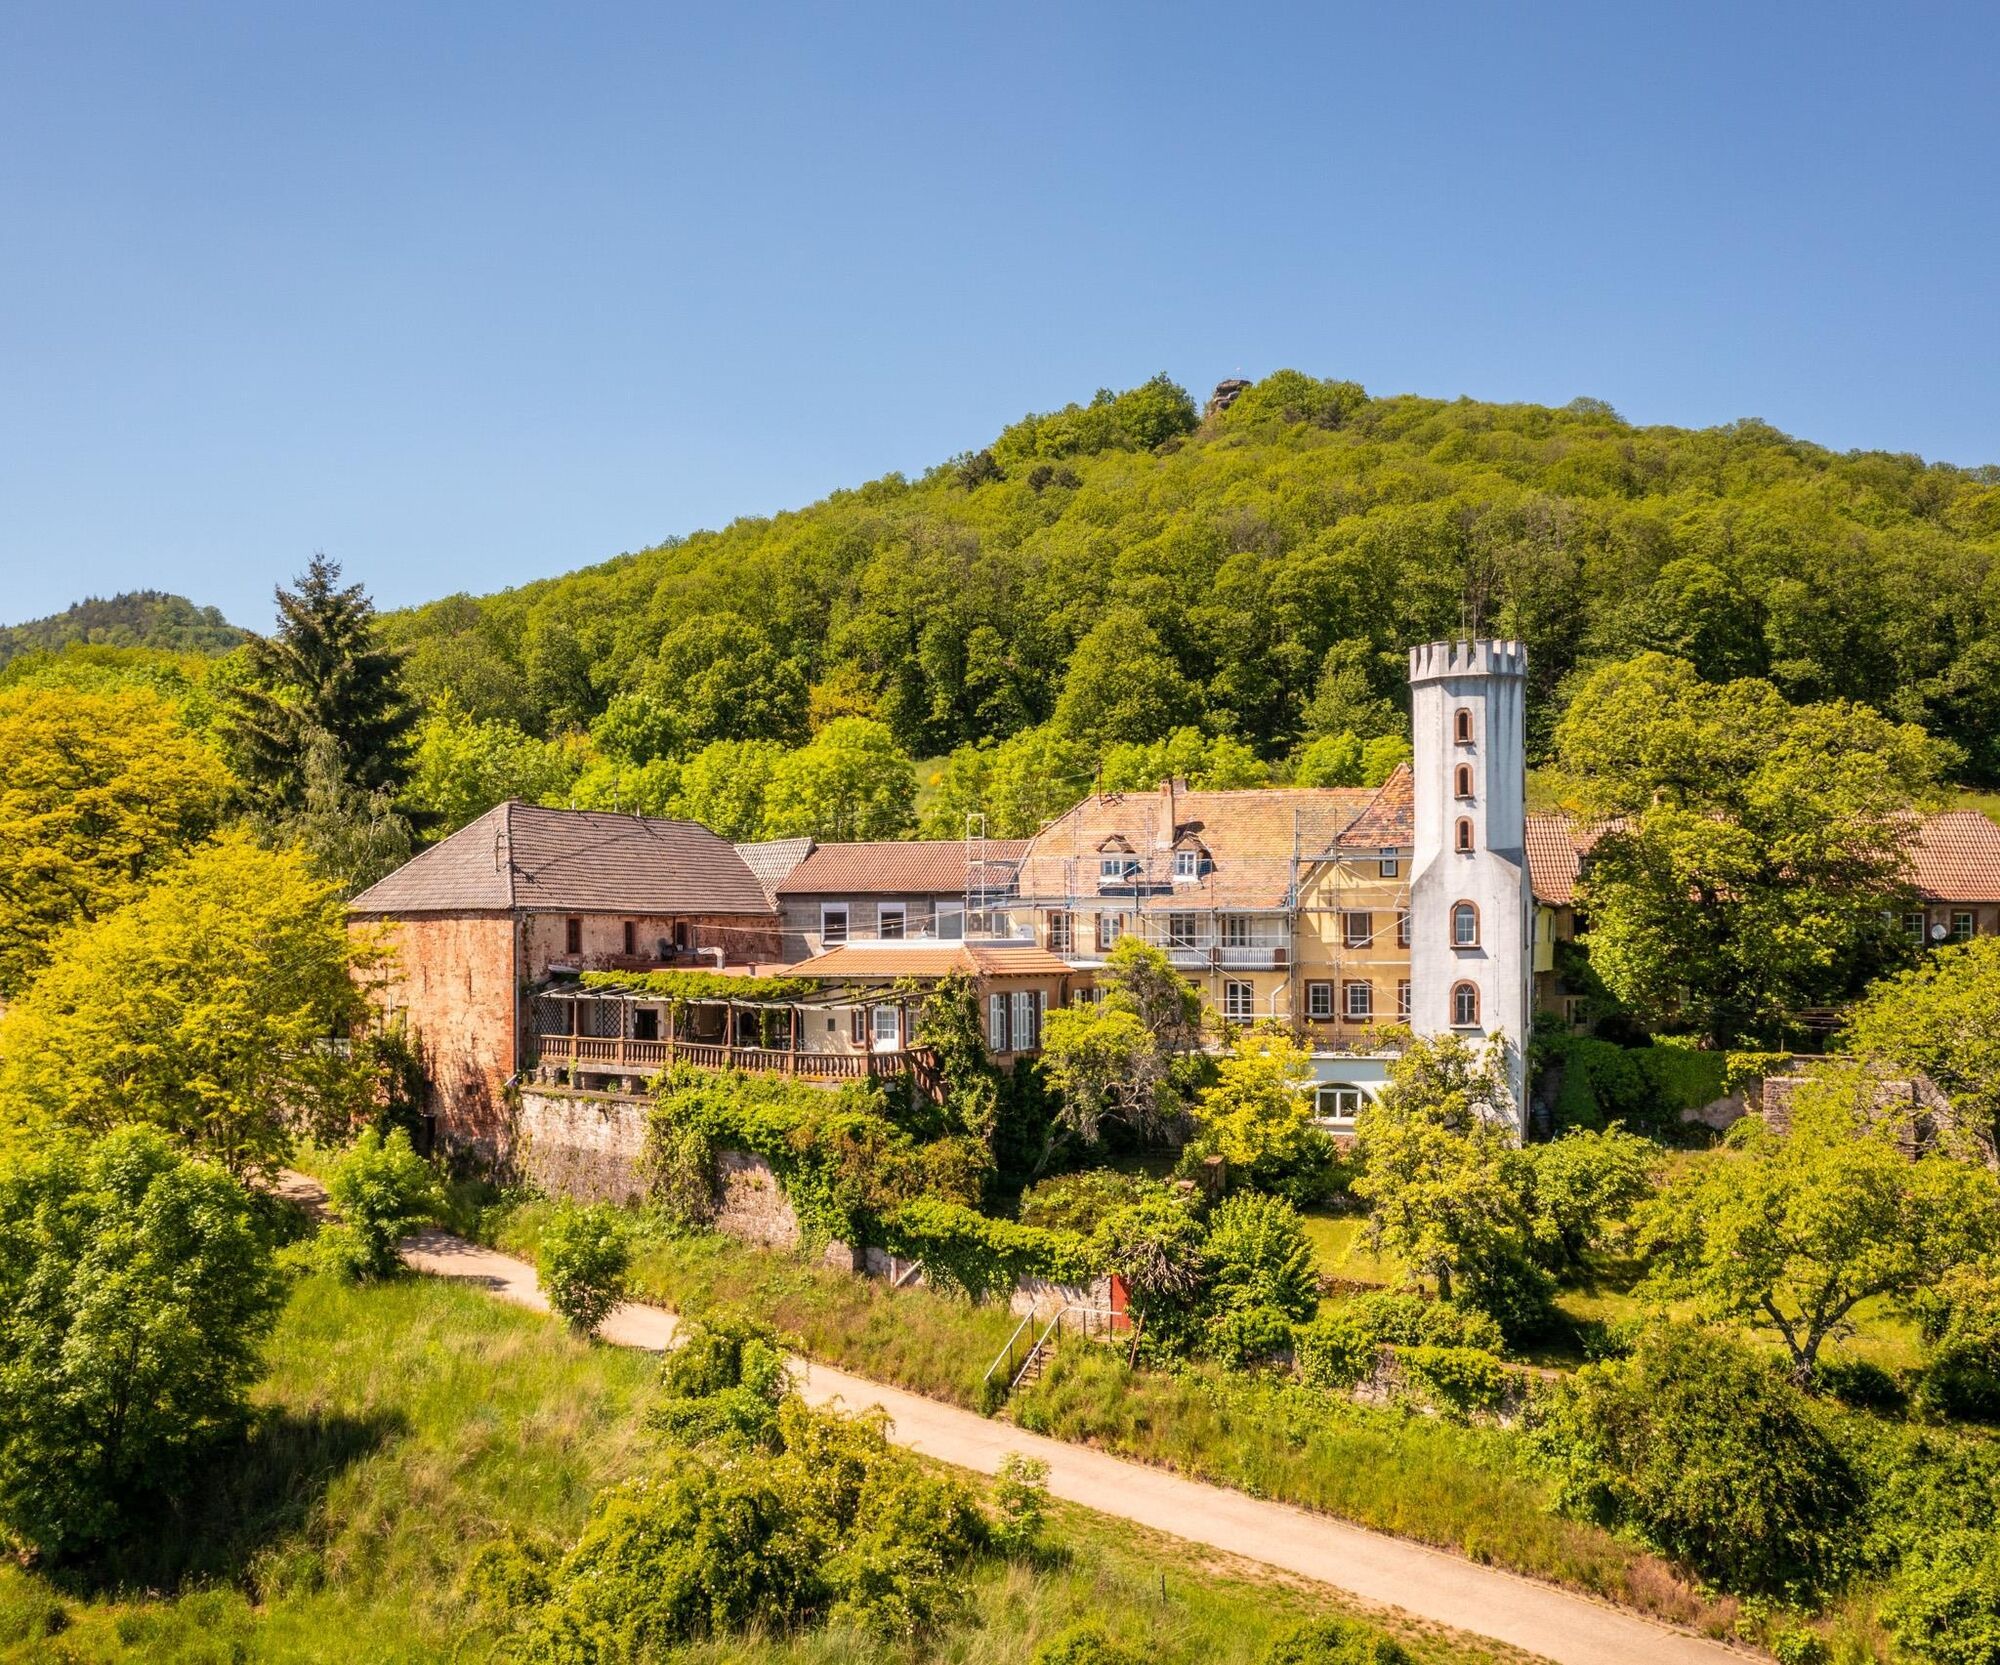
{"x": 326, "y": 672}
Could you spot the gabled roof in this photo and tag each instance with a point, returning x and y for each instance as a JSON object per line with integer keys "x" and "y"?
{"x": 1251, "y": 837}
{"x": 526, "y": 858}
{"x": 907, "y": 867}
{"x": 890, "y": 960}
{"x": 1955, "y": 857}
{"x": 1555, "y": 857}
{"x": 773, "y": 859}
{"x": 1390, "y": 820}
{"x": 1952, "y": 857}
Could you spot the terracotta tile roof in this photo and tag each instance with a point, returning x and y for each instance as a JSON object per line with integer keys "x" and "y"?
{"x": 773, "y": 859}
{"x": 1250, "y": 836}
{"x": 1955, "y": 857}
{"x": 909, "y": 867}
{"x": 1554, "y": 860}
{"x": 1390, "y": 820}
{"x": 932, "y": 959}
{"x": 523, "y": 857}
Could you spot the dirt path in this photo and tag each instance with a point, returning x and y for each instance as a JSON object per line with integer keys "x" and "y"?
{"x": 1379, "y": 1569}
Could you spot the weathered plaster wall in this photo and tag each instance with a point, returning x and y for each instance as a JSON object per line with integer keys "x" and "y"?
{"x": 745, "y": 939}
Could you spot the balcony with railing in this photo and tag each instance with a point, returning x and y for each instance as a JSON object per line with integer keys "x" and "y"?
{"x": 616, "y": 1055}
{"x": 1206, "y": 942}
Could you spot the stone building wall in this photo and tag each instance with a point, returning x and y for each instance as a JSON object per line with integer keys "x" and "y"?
{"x": 452, "y": 981}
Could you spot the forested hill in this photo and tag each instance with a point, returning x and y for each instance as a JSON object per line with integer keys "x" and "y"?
{"x": 1121, "y": 569}
{"x": 139, "y": 618}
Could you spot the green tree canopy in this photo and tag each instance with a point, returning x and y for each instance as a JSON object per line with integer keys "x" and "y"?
{"x": 210, "y": 1007}
{"x": 134, "y": 1290}
{"x": 852, "y": 782}
{"x": 98, "y": 793}
{"x": 725, "y": 784}
{"x": 1943, "y": 1018}
{"x": 326, "y": 672}
{"x": 1791, "y": 1233}
{"x": 1752, "y": 852}
{"x": 1122, "y": 686}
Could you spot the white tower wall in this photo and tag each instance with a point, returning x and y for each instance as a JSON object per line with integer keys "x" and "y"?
{"x": 1488, "y": 681}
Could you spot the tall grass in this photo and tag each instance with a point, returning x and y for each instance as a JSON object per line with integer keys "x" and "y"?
{"x": 403, "y": 1426}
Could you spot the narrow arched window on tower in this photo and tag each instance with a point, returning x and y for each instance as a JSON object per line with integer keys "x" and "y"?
{"x": 1464, "y": 925}
{"x": 1461, "y": 722}
{"x": 1461, "y": 781}
{"x": 1461, "y": 839}
{"x": 1464, "y": 1006}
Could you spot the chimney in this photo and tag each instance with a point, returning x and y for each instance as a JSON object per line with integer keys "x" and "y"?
{"x": 1170, "y": 790}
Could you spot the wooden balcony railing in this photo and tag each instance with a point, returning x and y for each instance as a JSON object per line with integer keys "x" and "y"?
{"x": 652, "y": 1056}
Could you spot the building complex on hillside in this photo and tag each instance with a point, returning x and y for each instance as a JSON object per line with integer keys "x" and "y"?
{"x": 600, "y": 948}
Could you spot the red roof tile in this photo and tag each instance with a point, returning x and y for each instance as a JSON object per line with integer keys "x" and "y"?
{"x": 1955, "y": 857}
{"x": 1390, "y": 820}
{"x": 910, "y": 867}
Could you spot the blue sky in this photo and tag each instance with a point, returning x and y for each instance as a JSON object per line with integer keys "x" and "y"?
{"x": 467, "y": 295}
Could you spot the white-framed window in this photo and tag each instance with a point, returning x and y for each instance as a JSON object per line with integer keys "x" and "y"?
{"x": 1024, "y": 1026}
{"x": 1357, "y": 928}
{"x": 1236, "y": 930}
{"x": 857, "y": 1026}
{"x": 949, "y": 922}
{"x": 1464, "y": 925}
{"x": 892, "y": 919}
{"x": 1117, "y": 869}
{"x": 1913, "y": 926}
{"x": 1403, "y": 999}
{"x": 1359, "y": 998}
{"x": 996, "y": 1022}
{"x": 1402, "y": 927}
{"x": 1110, "y": 927}
{"x": 888, "y": 1028}
{"x": 1062, "y": 933}
{"x": 1239, "y": 1001}
{"x": 1183, "y": 930}
{"x": 1961, "y": 926}
{"x": 1187, "y": 864}
{"x": 832, "y": 923}
{"x": 1465, "y": 1006}
{"x": 1390, "y": 865}
{"x": 1319, "y": 1000}
{"x": 1334, "y": 1102}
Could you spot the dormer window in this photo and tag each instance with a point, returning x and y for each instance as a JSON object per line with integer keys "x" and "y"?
{"x": 1461, "y": 781}
{"x": 1461, "y": 725}
{"x": 1117, "y": 869}
{"x": 1187, "y": 864}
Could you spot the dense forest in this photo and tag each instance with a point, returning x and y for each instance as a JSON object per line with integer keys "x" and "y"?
{"x": 139, "y": 618}
{"x": 1121, "y": 571}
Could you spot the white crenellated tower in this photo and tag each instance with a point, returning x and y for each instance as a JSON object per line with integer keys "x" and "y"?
{"x": 1471, "y": 905}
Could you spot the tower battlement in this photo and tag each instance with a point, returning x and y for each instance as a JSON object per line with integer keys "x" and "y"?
{"x": 1434, "y": 661}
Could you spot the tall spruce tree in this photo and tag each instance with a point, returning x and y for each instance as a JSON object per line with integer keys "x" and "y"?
{"x": 324, "y": 676}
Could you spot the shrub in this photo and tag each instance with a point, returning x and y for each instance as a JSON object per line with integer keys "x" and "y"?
{"x": 382, "y": 1190}
{"x": 1510, "y": 1289}
{"x": 1335, "y": 1642}
{"x": 1409, "y": 1320}
{"x": 1859, "y": 1383}
{"x": 1959, "y": 1319}
{"x": 1079, "y": 1202}
{"x": 1020, "y": 1499}
{"x": 968, "y": 1253}
{"x": 1259, "y": 1256}
{"x": 1334, "y": 1352}
{"x": 1455, "y": 1380}
{"x": 584, "y": 1256}
{"x": 1577, "y": 1186}
{"x": 725, "y": 1378}
{"x": 1709, "y": 1450}
{"x": 1245, "y": 1336}
{"x": 134, "y": 1289}
{"x": 1944, "y": 1607}
{"x": 1084, "y": 1644}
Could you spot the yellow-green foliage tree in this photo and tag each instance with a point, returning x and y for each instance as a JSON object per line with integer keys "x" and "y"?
{"x": 1258, "y": 1116}
{"x": 98, "y": 791}
{"x": 1792, "y": 1233}
{"x": 209, "y": 1007}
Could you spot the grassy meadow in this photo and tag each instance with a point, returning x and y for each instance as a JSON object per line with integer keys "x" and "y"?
{"x": 399, "y": 1427}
